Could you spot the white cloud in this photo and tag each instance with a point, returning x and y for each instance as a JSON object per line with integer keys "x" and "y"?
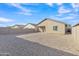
{"x": 74, "y": 21}
{"x": 68, "y": 17}
{"x": 49, "y": 4}
{"x": 5, "y": 20}
{"x": 20, "y": 7}
{"x": 23, "y": 13}
{"x": 23, "y": 10}
{"x": 75, "y": 6}
{"x": 63, "y": 10}
{"x": 59, "y": 4}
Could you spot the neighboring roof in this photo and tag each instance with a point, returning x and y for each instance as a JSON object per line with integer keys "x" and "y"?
{"x": 51, "y": 20}
{"x": 32, "y": 24}
{"x": 18, "y": 25}
{"x": 76, "y": 25}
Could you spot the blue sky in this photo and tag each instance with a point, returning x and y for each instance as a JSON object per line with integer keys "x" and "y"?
{"x": 23, "y": 13}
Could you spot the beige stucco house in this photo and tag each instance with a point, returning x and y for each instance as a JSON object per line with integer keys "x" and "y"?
{"x": 52, "y": 26}
{"x": 17, "y": 26}
{"x": 31, "y": 26}
{"x": 75, "y": 32}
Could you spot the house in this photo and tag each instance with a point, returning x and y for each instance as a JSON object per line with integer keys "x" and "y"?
{"x": 75, "y": 32}
{"x": 31, "y": 26}
{"x": 17, "y": 26}
{"x": 52, "y": 26}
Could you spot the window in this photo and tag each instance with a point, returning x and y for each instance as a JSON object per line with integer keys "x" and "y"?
{"x": 55, "y": 28}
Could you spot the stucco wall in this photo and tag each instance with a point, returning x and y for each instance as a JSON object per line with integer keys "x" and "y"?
{"x": 49, "y": 26}
{"x": 75, "y": 35}
{"x": 75, "y": 32}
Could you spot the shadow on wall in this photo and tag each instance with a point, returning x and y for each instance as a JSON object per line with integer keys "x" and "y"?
{"x": 19, "y": 47}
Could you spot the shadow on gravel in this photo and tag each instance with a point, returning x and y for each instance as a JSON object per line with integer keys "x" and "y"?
{"x": 13, "y": 46}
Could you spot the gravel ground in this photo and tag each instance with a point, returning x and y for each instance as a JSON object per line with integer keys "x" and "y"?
{"x": 10, "y": 45}
{"x": 58, "y": 41}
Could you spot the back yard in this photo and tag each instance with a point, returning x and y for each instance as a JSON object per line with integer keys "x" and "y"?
{"x": 60, "y": 42}
{"x": 31, "y": 45}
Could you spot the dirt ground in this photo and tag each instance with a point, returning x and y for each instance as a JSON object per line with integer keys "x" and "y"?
{"x": 62, "y": 42}
{"x": 10, "y": 45}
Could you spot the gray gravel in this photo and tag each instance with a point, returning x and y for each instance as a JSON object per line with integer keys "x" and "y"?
{"x": 13, "y": 46}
